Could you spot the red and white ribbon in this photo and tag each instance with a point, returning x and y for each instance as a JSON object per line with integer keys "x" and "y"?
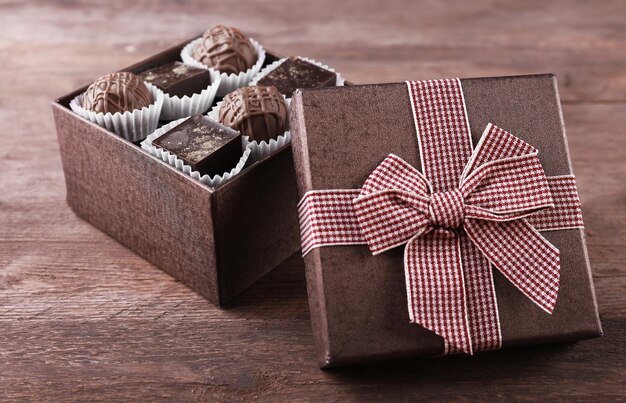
{"x": 467, "y": 211}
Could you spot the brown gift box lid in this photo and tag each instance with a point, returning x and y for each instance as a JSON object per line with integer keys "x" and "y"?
{"x": 358, "y": 301}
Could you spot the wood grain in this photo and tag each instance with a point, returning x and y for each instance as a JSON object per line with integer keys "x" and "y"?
{"x": 82, "y": 318}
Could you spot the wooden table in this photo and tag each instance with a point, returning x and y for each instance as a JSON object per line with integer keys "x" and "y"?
{"x": 83, "y": 318}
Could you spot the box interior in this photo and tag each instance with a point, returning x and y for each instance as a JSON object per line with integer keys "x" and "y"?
{"x": 168, "y": 55}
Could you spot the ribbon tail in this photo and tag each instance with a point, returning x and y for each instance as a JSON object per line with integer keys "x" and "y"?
{"x": 435, "y": 288}
{"x": 567, "y": 212}
{"x": 482, "y": 304}
{"x": 522, "y": 255}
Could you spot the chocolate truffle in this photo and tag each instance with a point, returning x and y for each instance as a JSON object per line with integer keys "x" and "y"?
{"x": 203, "y": 144}
{"x": 117, "y": 92}
{"x": 295, "y": 73}
{"x": 178, "y": 79}
{"x": 255, "y": 111}
{"x": 225, "y": 49}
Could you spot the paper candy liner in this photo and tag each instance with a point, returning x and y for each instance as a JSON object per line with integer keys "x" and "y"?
{"x": 259, "y": 149}
{"x": 131, "y": 125}
{"x": 177, "y": 163}
{"x": 267, "y": 69}
{"x": 175, "y": 107}
{"x": 230, "y": 82}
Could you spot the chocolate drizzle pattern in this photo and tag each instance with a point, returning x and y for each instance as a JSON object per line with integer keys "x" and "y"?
{"x": 116, "y": 92}
{"x": 225, "y": 49}
{"x": 256, "y": 111}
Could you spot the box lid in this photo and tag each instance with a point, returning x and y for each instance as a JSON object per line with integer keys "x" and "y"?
{"x": 358, "y": 301}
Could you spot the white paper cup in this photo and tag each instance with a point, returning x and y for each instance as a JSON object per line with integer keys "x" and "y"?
{"x": 175, "y": 107}
{"x": 270, "y": 67}
{"x": 259, "y": 149}
{"x": 173, "y": 160}
{"x": 229, "y": 82}
{"x": 131, "y": 125}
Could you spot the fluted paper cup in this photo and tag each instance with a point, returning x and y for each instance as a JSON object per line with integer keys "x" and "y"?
{"x": 175, "y": 107}
{"x": 259, "y": 149}
{"x": 229, "y": 82}
{"x": 173, "y": 160}
{"x": 132, "y": 125}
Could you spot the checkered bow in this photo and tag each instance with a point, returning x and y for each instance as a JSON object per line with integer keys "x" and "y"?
{"x": 455, "y": 229}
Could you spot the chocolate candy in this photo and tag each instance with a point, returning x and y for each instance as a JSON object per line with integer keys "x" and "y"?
{"x": 117, "y": 92}
{"x": 225, "y": 49}
{"x": 255, "y": 111}
{"x": 178, "y": 79}
{"x": 297, "y": 73}
{"x": 203, "y": 144}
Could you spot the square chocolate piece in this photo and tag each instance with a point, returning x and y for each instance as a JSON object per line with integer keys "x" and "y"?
{"x": 178, "y": 79}
{"x": 296, "y": 73}
{"x": 203, "y": 144}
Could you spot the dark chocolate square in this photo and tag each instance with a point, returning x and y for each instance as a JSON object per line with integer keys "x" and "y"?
{"x": 296, "y": 73}
{"x": 178, "y": 79}
{"x": 203, "y": 144}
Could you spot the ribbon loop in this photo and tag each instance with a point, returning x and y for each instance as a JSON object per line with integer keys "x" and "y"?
{"x": 395, "y": 173}
{"x": 496, "y": 144}
{"x": 436, "y": 289}
{"x": 388, "y": 218}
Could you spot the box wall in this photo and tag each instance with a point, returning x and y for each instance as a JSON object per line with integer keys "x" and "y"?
{"x": 256, "y": 222}
{"x": 314, "y": 279}
{"x": 148, "y": 206}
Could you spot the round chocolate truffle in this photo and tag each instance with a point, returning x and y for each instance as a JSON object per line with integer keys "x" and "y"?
{"x": 116, "y": 92}
{"x": 256, "y": 111}
{"x": 225, "y": 49}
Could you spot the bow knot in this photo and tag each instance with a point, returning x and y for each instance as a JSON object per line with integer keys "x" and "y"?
{"x": 447, "y": 209}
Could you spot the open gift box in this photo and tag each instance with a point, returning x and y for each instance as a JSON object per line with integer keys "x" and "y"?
{"x": 386, "y": 245}
{"x": 218, "y": 241}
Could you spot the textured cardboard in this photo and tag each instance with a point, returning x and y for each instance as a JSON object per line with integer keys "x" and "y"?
{"x": 216, "y": 241}
{"x": 358, "y": 301}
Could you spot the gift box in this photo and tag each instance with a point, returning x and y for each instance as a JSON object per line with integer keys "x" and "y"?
{"x": 218, "y": 241}
{"x": 439, "y": 217}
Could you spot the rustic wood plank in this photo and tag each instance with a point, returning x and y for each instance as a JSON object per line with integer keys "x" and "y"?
{"x": 583, "y": 42}
{"x": 82, "y": 318}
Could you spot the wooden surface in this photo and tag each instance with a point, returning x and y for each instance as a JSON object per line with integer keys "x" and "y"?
{"x": 82, "y": 318}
